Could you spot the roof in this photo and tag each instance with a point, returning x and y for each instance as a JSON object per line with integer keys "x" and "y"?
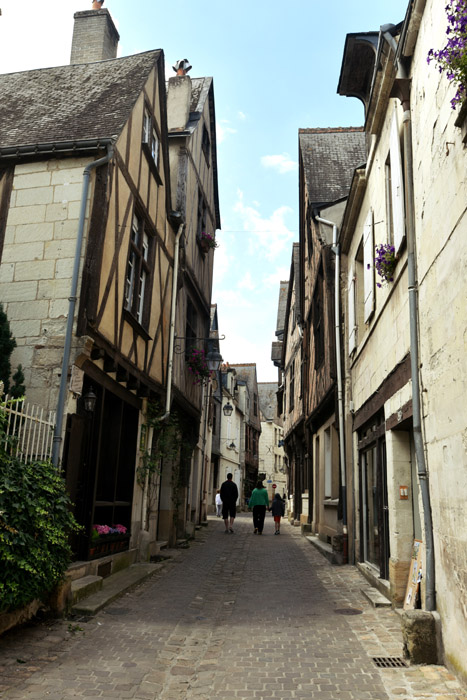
{"x": 282, "y": 306}
{"x": 329, "y": 157}
{"x": 71, "y": 103}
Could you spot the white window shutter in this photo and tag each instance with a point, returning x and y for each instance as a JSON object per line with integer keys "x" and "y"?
{"x": 368, "y": 267}
{"x": 352, "y": 328}
{"x": 397, "y": 185}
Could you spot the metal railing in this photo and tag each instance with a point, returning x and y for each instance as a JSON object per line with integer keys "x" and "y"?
{"x": 29, "y": 429}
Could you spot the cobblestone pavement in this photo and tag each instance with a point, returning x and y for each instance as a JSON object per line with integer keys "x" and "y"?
{"x": 232, "y": 617}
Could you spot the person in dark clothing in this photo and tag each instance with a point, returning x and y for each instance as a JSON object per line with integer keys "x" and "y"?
{"x": 278, "y": 510}
{"x": 259, "y": 501}
{"x": 229, "y": 495}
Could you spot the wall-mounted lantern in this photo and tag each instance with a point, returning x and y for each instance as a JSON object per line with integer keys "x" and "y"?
{"x": 89, "y": 400}
{"x": 228, "y": 409}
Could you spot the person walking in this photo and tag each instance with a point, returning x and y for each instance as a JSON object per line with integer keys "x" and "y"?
{"x": 229, "y": 495}
{"x": 218, "y": 504}
{"x": 278, "y": 510}
{"x": 259, "y": 501}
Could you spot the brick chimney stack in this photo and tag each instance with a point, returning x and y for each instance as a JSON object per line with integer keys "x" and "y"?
{"x": 95, "y": 37}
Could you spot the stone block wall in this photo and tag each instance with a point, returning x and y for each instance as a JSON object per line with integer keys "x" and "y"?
{"x": 36, "y": 268}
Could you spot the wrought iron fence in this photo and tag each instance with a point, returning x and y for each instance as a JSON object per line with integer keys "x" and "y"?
{"x": 29, "y": 429}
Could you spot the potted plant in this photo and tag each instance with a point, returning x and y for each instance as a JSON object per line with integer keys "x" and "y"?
{"x": 207, "y": 241}
{"x": 198, "y": 365}
{"x": 452, "y": 59}
{"x": 385, "y": 263}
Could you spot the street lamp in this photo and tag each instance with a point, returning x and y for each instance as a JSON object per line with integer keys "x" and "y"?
{"x": 228, "y": 409}
{"x": 90, "y": 401}
{"x": 214, "y": 359}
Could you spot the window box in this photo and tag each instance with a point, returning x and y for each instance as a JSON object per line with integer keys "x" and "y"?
{"x": 108, "y": 544}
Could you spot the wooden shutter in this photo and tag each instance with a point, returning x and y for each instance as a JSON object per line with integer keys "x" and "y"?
{"x": 397, "y": 185}
{"x": 352, "y": 322}
{"x": 368, "y": 267}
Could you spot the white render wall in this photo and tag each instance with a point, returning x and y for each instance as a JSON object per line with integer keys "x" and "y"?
{"x": 440, "y": 167}
{"x": 271, "y": 456}
{"x": 36, "y": 268}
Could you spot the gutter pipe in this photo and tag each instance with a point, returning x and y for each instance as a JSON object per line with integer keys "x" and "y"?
{"x": 402, "y": 82}
{"x": 168, "y": 396}
{"x": 57, "y": 438}
{"x": 336, "y": 250}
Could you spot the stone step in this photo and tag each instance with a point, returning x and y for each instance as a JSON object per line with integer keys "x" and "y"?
{"x": 114, "y": 586}
{"x": 377, "y": 599}
{"x": 84, "y": 587}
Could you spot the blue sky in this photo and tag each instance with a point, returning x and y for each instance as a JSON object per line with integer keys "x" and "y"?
{"x": 276, "y": 67}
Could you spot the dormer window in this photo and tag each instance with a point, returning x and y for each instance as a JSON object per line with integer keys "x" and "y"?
{"x": 151, "y": 143}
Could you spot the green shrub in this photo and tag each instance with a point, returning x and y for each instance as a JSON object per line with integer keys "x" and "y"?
{"x": 35, "y": 523}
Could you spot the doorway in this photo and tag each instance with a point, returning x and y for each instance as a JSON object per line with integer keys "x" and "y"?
{"x": 374, "y": 508}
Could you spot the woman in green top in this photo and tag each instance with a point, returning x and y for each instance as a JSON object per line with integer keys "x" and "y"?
{"x": 259, "y": 501}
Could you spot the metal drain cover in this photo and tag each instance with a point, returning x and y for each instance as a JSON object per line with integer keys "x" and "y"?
{"x": 389, "y": 662}
{"x": 348, "y": 611}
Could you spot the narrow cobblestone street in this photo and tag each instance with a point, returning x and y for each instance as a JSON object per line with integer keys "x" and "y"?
{"x": 231, "y": 617}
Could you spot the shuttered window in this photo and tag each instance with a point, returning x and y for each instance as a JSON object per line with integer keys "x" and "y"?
{"x": 368, "y": 267}
{"x": 352, "y": 323}
{"x": 397, "y": 185}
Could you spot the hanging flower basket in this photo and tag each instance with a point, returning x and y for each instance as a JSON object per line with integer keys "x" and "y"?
{"x": 198, "y": 366}
{"x": 385, "y": 263}
{"x": 207, "y": 242}
{"x": 452, "y": 58}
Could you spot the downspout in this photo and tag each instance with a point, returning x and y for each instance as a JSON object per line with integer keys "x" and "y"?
{"x": 57, "y": 438}
{"x": 403, "y": 85}
{"x": 340, "y": 400}
{"x": 168, "y": 396}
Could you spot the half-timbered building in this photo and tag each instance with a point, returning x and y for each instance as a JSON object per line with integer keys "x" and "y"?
{"x": 328, "y": 157}
{"x": 87, "y": 253}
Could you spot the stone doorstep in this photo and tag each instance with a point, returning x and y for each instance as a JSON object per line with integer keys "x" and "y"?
{"x": 323, "y": 547}
{"x": 377, "y": 599}
{"x": 114, "y": 586}
{"x": 84, "y": 587}
{"x": 161, "y": 544}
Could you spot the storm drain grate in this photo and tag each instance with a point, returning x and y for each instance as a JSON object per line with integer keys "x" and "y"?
{"x": 389, "y": 662}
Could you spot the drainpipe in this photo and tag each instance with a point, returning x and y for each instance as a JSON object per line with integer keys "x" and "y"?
{"x": 168, "y": 397}
{"x": 57, "y": 438}
{"x": 340, "y": 401}
{"x": 403, "y": 86}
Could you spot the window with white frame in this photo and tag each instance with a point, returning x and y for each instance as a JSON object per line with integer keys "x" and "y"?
{"x": 327, "y": 463}
{"x": 395, "y": 208}
{"x": 138, "y": 270}
{"x": 151, "y": 140}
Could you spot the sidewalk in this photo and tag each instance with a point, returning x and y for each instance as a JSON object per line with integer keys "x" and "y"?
{"x": 232, "y": 617}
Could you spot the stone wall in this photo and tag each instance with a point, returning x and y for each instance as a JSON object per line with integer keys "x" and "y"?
{"x": 36, "y": 268}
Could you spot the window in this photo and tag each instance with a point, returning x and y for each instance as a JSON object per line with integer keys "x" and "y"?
{"x": 291, "y": 385}
{"x": 318, "y": 318}
{"x": 138, "y": 271}
{"x": 255, "y": 404}
{"x": 206, "y": 143}
{"x": 368, "y": 268}
{"x": 202, "y": 214}
{"x": 190, "y": 327}
{"x": 327, "y": 464}
{"x": 395, "y": 187}
{"x": 151, "y": 141}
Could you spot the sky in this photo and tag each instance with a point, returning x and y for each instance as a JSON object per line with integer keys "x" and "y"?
{"x": 276, "y": 67}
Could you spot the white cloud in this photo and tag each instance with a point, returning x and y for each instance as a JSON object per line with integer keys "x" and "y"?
{"x": 222, "y": 130}
{"x": 269, "y": 236}
{"x": 242, "y": 116}
{"x": 280, "y": 274}
{"x": 281, "y": 163}
{"x": 246, "y": 282}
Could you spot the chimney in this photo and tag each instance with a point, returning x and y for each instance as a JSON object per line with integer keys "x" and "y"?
{"x": 95, "y": 37}
{"x": 179, "y": 97}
